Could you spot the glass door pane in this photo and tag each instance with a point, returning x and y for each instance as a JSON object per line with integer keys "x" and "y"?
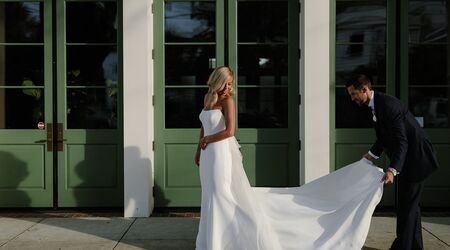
{"x": 361, "y": 48}
{"x": 91, "y": 64}
{"x": 263, "y": 63}
{"x": 22, "y": 104}
{"x": 190, "y": 56}
{"x": 428, "y": 62}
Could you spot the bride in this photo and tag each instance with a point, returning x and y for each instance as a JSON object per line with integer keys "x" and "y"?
{"x": 332, "y": 212}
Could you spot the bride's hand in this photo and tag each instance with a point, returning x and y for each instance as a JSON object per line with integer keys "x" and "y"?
{"x": 197, "y": 158}
{"x": 204, "y": 142}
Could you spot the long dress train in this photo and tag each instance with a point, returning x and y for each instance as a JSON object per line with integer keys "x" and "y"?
{"x": 332, "y": 212}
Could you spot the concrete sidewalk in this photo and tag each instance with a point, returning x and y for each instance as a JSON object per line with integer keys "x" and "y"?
{"x": 163, "y": 233}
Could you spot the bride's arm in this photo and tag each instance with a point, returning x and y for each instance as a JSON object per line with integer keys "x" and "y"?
{"x": 197, "y": 154}
{"x": 230, "y": 123}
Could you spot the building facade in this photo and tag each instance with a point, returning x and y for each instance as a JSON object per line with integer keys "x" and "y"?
{"x": 99, "y": 100}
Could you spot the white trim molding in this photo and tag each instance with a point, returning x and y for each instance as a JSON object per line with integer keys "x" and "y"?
{"x": 315, "y": 125}
{"x": 138, "y": 109}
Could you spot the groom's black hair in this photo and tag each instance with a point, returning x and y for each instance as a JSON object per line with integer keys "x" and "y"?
{"x": 358, "y": 81}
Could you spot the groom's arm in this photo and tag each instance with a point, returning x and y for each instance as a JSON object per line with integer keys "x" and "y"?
{"x": 376, "y": 150}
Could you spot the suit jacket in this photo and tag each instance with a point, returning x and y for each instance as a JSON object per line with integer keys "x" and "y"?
{"x": 401, "y": 137}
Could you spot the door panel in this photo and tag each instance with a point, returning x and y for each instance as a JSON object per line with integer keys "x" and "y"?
{"x": 264, "y": 52}
{"x": 89, "y": 166}
{"x": 184, "y": 58}
{"x": 26, "y": 163}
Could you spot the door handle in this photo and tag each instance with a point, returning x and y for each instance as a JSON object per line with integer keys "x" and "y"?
{"x": 41, "y": 141}
{"x": 49, "y": 139}
{"x": 59, "y": 138}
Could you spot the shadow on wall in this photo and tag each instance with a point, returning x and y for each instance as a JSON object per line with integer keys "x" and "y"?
{"x": 12, "y": 172}
{"x": 140, "y": 171}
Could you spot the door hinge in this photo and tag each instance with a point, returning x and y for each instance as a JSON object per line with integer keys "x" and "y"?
{"x": 153, "y": 8}
{"x": 299, "y": 145}
{"x": 153, "y": 145}
{"x": 299, "y": 53}
{"x": 299, "y": 7}
{"x": 153, "y": 54}
{"x": 153, "y": 191}
{"x": 299, "y": 99}
{"x": 153, "y": 100}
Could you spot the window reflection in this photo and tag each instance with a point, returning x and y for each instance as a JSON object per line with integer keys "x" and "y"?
{"x": 428, "y": 64}
{"x": 360, "y": 49}
{"x": 92, "y": 108}
{"x": 361, "y": 59}
{"x": 183, "y": 107}
{"x": 434, "y": 71}
{"x": 91, "y": 22}
{"x": 189, "y": 21}
{"x": 262, "y": 108}
{"x": 263, "y": 21}
{"x": 92, "y": 65}
{"x": 262, "y": 64}
{"x": 188, "y": 64}
{"x": 21, "y": 108}
{"x": 431, "y": 105}
{"x": 21, "y": 22}
{"x": 20, "y": 63}
{"x": 363, "y": 19}
{"x": 428, "y": 21}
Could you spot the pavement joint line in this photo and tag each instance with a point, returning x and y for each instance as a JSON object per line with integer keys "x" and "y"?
{"x": 15, "y": 237}
{"x": 436, "y": 236}
{"x": 124, "y": 233}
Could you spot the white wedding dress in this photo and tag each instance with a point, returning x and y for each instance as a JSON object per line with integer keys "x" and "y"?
{"x": 332, "y": 212}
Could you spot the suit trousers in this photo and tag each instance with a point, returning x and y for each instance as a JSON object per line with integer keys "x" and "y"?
{"x": 409, "y": 225}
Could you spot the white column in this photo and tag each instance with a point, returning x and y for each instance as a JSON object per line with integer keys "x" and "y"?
{"x": 138, "y": 109}
{"x": 315, "y": 132}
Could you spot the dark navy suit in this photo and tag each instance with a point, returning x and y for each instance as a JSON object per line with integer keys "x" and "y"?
{"x": 410, "y": 152}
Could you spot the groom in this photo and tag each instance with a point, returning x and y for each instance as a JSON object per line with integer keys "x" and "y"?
{"x": 411, "y": 156}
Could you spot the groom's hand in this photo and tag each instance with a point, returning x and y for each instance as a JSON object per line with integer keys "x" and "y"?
{"x": 388, "y": 177}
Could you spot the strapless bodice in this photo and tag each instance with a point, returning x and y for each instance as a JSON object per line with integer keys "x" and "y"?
{"x": 212, "y": 121}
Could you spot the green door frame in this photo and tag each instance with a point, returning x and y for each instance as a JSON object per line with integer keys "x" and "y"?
{"x": 164, "y": 194}
{"x": 349, "y": 144}
{"x": 187, "y": 195}
{"x": 436, "y": 190}
{"x": 281, "y": 136}
{"x": 30, "y": 158}
{"x": 94, "y": 147}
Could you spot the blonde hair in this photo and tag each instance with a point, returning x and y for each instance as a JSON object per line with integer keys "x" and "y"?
{"x": 216, "y": 82}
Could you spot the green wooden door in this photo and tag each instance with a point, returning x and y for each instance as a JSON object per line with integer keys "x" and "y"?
{"x": 60, "y": 142}
{"x": 403, "y": 46}
{"x": 26, "y": 160}
{"x": 90, "y": 169}
{"x": 259, "y": 40}
{"x": 363, "y": 45}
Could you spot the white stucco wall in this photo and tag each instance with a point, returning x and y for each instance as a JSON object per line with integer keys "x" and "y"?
{"x": 138, "y": 109}
{"x": 315, "y": 76}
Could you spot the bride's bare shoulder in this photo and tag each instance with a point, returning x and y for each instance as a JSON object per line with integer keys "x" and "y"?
{"x": 227, "y": 103}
